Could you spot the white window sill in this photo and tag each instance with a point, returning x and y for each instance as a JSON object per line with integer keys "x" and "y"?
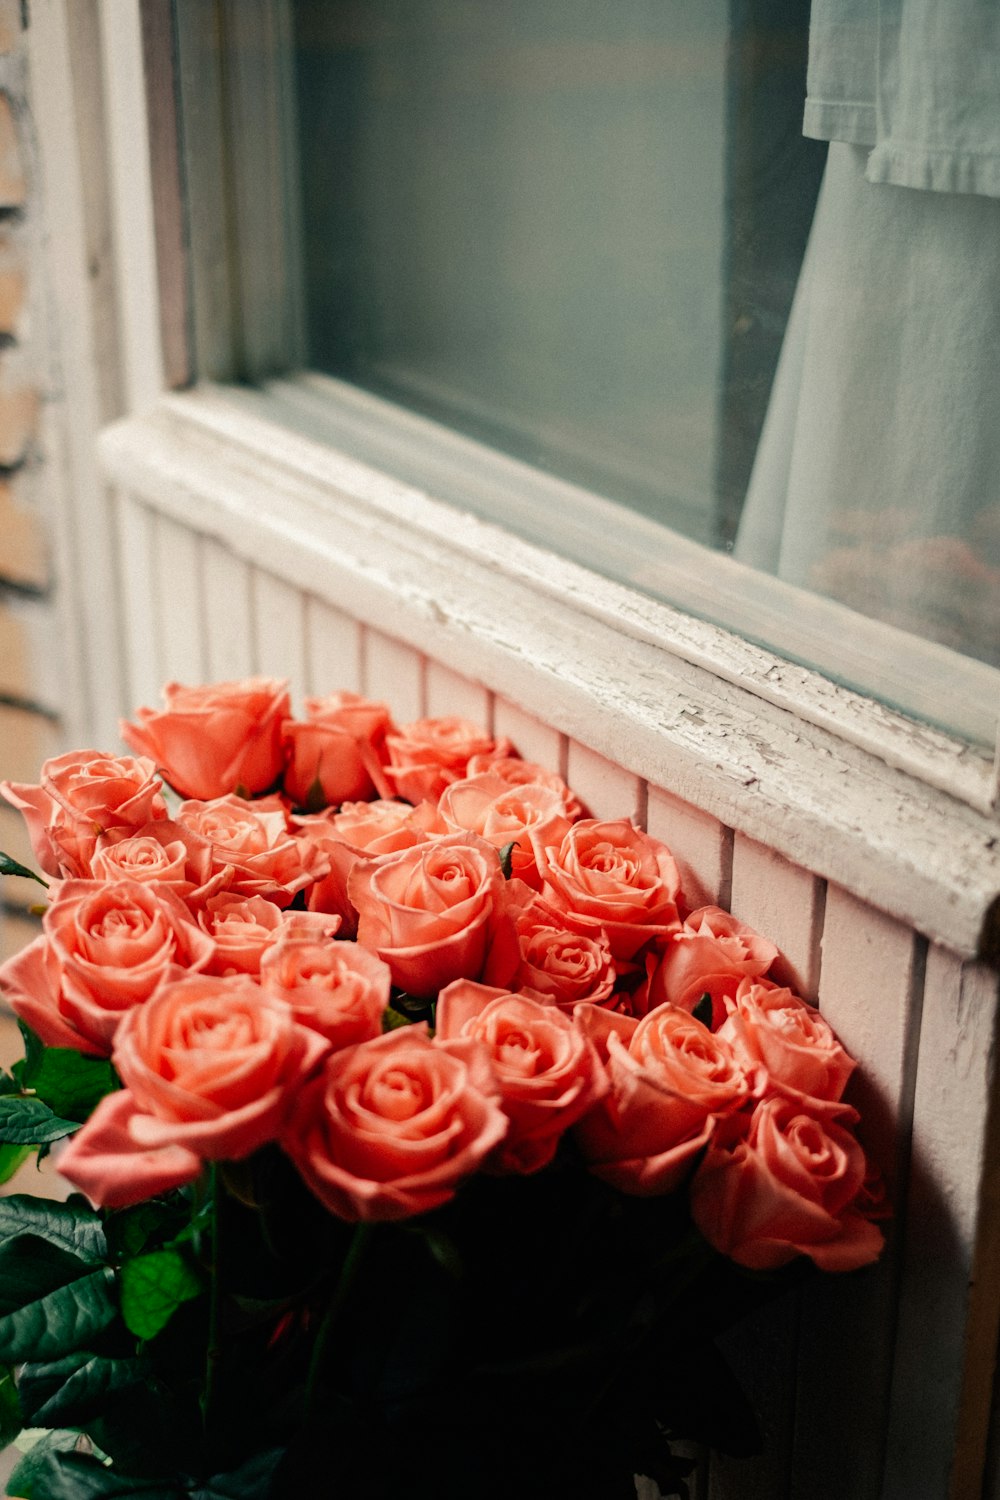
{"x": 896, "y": 813}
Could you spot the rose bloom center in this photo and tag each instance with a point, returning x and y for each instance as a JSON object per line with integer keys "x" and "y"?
{"x": 211, "y": 1032}
{"x": 121, "y": 923}
{"x": 519, "y": 1054}
{"x": 397, "y": 1095}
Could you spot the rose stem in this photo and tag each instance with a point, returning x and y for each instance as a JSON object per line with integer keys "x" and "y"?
{"x": 348, "y": 1275}
{"x": 213, "y": 1354}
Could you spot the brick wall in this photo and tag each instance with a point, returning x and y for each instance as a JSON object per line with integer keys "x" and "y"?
{"x": 29, "y": 656}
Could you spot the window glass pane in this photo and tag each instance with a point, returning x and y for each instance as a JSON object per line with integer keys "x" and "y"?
{"x": 592, "y": 235}
{"x": 571, "y": 229}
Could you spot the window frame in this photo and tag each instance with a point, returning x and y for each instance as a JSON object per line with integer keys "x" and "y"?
{"x": 899, "y": 814}
{"x": 246, "y": 323}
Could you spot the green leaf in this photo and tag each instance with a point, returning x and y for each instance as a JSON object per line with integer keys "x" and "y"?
{"x": 703, "y": 1010}
{"x": 25, "y": 1122}
{"x": 10, "y": 866}
{"x": 69, "y": 1083}
{"x": 10, "y": 1408}
{"x": 34, "y": 1047}
{"x": 130, "y": 1230}
{"x": 72, "y": 1391}
{"x": 393, "y": 1019}
{"x": 12, "y": 1159}
{"x": 152, "y": 1287}
{"x": 73, "y": 1226}
{"x": 23, "y": 1479}
{"x": 51, "y": 1302}
{"x": 58, "y": 1472}
{"x": 507, "y": 858}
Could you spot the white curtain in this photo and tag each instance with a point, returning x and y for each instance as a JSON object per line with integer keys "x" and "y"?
{"x": 877, "y": 478}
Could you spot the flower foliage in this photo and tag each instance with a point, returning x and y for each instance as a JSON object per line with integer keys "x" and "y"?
{"x": 373, "y": 1060}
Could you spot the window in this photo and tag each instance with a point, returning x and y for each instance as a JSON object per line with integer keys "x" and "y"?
{"x": 573, "y": 234}
{"x": 294, "y": 480}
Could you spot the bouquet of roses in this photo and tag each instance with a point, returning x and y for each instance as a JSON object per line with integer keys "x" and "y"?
{"x": 423, "y": 1138}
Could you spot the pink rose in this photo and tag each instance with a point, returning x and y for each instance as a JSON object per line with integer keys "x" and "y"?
{"x": 339, "y": 989}
{"x": 567, "y": 966}
{"x": 359, "y": 828}
{"x": 162, "y": 853}
{"x": 105, "y": 949}
{"x": 210, "y": 741}
{"x": 393, "y": 1126}
{"x": 549, "y": 1073}
{"x": 210, "y": 1067}
{"x": 773, "y": 1029}
{"x": 785, "y": 1184}
{"x": 671, "y": 1080}
{"x": 611, "y": 876}
{"x": 243, "y": 928}
{"x": 435, "y": 912}
{"x": 529, "y": 816}
{"x": 337, "y": 755}
{"x": 254, "y": 841}
{"x": 710, "y": 954}
{"x": 517, "y": 772}
{"x": 429, "y": 754}
{"x": 81, "y": 796}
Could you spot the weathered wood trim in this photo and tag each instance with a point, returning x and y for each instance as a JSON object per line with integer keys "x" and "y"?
{"x": 551, "y": 637}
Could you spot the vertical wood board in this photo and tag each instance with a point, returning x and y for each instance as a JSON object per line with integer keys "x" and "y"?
{"x": 395, "y": 672}
{"x": 333, "y": 650}
{"x": 136, "y": 278}
{"x": 177, "y": 585}
{"x": 784, "y": 903}
{"x": 82, "y": 517}
{"x": 449, "y": 695}
{"x": 948, "y": 1308}
{"x": 532, "y": 739}
{"x": 279, "y": 633}
{"x": 871, "y": 989}
{"x": 144, "y": 664}
{"x": 607, "y": 792}
{"x": 229, "y": 647}
{"x": 870, "y": 992}
{"x": 701, "y": 845}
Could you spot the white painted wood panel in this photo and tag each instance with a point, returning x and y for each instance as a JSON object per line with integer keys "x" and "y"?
{"x": 71, "y": 372}
{"x": 225, "y": 582}
{"x": 177, "y": 592}
{"x": 278, "y": 631}
{"x": 395, "y": 672}
{"x": 131, "y": 201}
{"x": 701, "y": 845}
{"x": 143, "y": 664}
{"x": 948, "y": 1307}
{"x": 607, "y": 791}
{"x": 785, "y": 903}
{"x": 333, "y": 650}
{"x": 530, "y": 628}
{"x": 871, "y": 986}
{"x": 447, "y": 694}
{"x": 532, "y": 739}
{"x": 871, "y": 992}
{"x": 813, "y": 1368}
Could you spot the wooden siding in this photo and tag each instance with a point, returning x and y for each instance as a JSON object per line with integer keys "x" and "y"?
{"x": 875, "y": 1387}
